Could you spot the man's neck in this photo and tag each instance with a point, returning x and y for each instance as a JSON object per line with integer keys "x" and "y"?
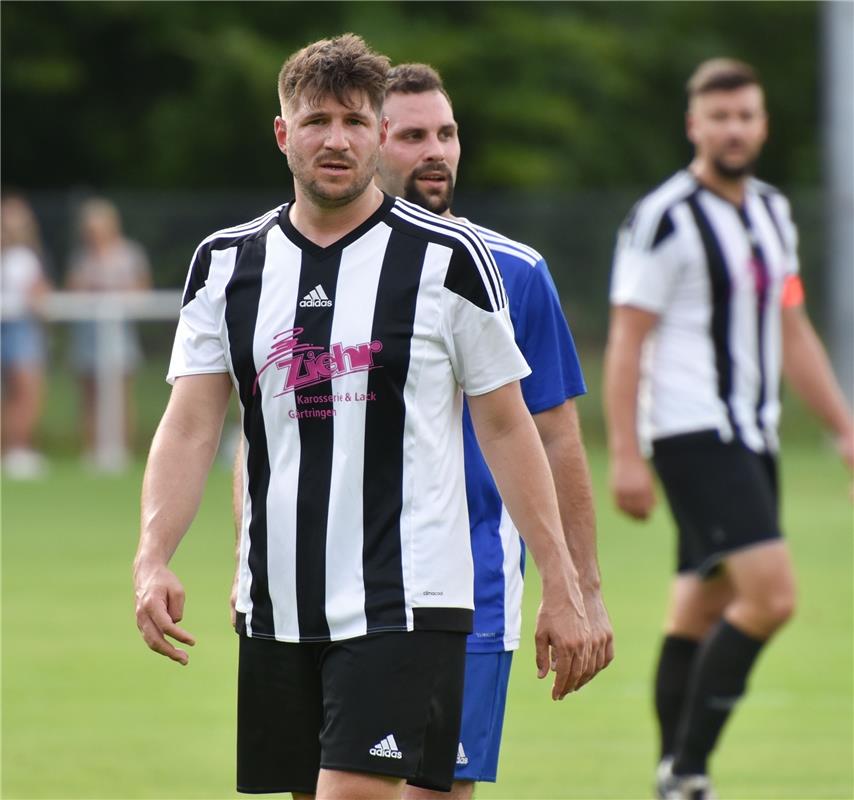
{"x": 325, "y": 226}
{"x": 731, "y": 189}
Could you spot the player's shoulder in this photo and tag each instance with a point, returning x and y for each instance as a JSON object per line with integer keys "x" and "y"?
{"x": 677, "y": 188}
{"x": 238, "y": 234}
{"x": 765, "y": 189}
{"x": 505, "y": 249}
{"x": 771, "y": 195}
{"x": 471, "y": 271}
{"x": 419, "y": 222}
{"x": 651, "y": 219}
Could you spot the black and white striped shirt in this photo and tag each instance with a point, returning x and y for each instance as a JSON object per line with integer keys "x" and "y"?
{"x": 714, "y": 272}
{"x": 350, "y": 362}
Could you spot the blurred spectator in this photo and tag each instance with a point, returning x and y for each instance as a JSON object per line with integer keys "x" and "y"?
{"x": 105, "y": 262}
{"x": 23, "y": 283}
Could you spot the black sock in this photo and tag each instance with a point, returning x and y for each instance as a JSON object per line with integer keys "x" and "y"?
{"x": 718, "y": 681}
{"x": 671, "y": 686}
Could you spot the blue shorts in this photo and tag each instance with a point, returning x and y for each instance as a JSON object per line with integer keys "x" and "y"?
{"x": 22, "y": 343}
{"x": 484, "y": 699}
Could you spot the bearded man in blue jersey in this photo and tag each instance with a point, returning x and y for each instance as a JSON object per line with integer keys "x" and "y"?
{"x": 419, "y": 162}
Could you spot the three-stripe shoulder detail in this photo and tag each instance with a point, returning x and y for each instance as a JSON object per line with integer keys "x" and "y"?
{"x": 222, "y": 239}
{"x": 464, "y": 235}
{"x": 497, "y": 242}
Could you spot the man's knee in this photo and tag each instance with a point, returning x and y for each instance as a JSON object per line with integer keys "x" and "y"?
{"x": 762, "y": 615}
{"x": 779, "y": 607}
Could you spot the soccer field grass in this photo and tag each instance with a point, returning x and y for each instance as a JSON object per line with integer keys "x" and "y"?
{"x": 88, "y": 712}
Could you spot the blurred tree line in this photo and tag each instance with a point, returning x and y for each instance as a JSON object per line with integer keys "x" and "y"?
{"x": 550, "y": 96}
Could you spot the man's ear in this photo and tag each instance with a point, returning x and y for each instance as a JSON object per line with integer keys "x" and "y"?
{"x": 281, "y": 130}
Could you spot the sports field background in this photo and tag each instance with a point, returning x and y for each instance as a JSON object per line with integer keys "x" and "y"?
{"x": 88, "y": 712}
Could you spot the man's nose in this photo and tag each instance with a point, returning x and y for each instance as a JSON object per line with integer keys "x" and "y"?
{"x": 435, "y": 149}
{"x": 336, "y": 137}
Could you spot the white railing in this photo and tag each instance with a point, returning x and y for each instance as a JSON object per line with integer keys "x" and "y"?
{"x": 109, "y": 310}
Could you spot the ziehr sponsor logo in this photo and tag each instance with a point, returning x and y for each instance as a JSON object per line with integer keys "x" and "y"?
{"x": 316, "y": 298}
{"x": 387, "y": 748}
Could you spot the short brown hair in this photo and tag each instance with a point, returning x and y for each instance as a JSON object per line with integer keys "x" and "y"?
{"x": 337, "y": 67}
{"x": 414, "y": 79}
{"x": 721, "y": 74}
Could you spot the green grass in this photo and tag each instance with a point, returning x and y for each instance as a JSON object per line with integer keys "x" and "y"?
{"x": 88, "y": 712}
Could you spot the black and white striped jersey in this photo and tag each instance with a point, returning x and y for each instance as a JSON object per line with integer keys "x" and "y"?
{"x": 714, "y": 272}
{"x": 350, "y": 362}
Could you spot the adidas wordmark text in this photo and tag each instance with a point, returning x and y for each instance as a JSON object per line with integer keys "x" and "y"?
{"x": 387, "y": 748}
{"x": 316, "y": 298}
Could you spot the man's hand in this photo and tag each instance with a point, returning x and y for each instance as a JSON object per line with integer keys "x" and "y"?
{"x": 632, "y": 486}
{"x": 159, "y": 605}
{"x": 563, "y": 644}
{"x": 602, "y": 645}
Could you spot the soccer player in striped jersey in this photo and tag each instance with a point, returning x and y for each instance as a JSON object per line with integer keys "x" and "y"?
{"x": 349, "y": 324}
{"x": 707, "y": 307}
{"x": 419, "y": 162}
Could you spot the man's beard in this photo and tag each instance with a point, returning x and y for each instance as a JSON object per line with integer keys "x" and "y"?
{"x": 438, "y": 203}
{"x": 340, "y": 196}
{"x": 734, "y": 171}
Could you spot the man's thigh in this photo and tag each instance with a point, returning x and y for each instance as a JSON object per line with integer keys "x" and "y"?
{"x": 484, "y": 702}
{"x": 392, "y": 705}
{"x": 279, "y": 716}
{"x": 386, "y": 704}
{"x": 722, "y": 495}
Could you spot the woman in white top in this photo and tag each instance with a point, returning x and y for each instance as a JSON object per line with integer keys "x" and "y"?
{"x": 23, "y": 283}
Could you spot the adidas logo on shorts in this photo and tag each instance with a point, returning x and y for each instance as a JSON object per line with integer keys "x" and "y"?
{"x": 316, "y": 298}
{"x": 462, "y": 758}
{"x": 387, "y": 748}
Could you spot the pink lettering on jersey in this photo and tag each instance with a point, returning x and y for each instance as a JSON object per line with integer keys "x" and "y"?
{"x": 309, "y": 364}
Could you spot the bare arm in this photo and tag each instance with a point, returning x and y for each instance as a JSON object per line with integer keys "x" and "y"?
{"x": 509, "y": 442}
{"x": 808, "y": 371}
{"x": 631, "y": 480}
{"x": 181, "y": 454}
{"x": 560, "y": 433}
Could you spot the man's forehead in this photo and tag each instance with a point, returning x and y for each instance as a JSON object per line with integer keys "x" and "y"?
{"x": 352, "y": 101}
{"x": 423, "y": 110}
{"x": 750, "y": 95}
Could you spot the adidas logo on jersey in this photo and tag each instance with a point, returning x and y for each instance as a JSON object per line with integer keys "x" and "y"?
{"x": 462, "y": 758}
{"x": 387, "y": 748}
{"x": 316, "y": 298}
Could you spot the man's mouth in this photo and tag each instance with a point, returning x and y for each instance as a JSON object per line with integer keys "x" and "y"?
{"x": 433, "y": 178}
{"x": 337, "y": 167}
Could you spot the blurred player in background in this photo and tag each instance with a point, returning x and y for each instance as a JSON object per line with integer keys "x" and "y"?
{"x": 419, "y": 162}
{"x": 371, "y": 318}
{"x": 707, "y": 308}
{"x": 105, "y": 261}
{"x": 23, "y": 283}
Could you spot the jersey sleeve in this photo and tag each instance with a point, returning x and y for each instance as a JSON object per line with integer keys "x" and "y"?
{"x": 544, "y": 337}
{"x": 476, "y": 324}
{"x": 646, "y": 262}
{"x": 198, "y": 348}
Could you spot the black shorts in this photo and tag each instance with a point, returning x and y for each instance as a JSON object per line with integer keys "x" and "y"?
{"x": 387, "y": 703}
{"x": 723, "y": 497}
